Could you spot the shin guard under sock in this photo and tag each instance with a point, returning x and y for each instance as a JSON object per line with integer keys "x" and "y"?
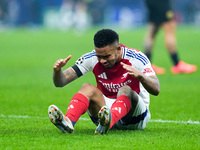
{"x": 78, "y": 106}
{"x": 120, "y": 108}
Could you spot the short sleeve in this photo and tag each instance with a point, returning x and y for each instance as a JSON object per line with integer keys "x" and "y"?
{"x": 86, "y": 62}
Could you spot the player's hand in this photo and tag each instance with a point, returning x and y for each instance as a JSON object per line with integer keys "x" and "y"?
{"x": 61, "y": 63}
{"x": 131, "y": 70}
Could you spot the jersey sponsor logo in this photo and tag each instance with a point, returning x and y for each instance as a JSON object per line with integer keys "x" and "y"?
{"x": 103, "y": 76}
{"x": 112, "y": 87}
{"x": 148, "y": 70}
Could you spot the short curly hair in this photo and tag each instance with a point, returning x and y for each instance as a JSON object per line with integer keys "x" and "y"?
{"x": 105, "y": 37}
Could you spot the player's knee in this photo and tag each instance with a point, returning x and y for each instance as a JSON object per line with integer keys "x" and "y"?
{"x": 125, "y": 90}
{"x": 87, "y": 86}
{"x": 88, "y": 89}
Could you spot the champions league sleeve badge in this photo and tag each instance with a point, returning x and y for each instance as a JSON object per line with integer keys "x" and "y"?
{"x": 80, "y": 60}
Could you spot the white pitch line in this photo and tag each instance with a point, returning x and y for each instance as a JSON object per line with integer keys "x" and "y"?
{"x": 176, "y": 122}
{"x": 19, "y": 116}
{"x": 86, "y": 119}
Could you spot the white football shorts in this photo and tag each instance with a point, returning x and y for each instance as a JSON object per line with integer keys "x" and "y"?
{"x": 138, "y": 120}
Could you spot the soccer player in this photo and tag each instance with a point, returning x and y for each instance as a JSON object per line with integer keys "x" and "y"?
{"x": 160, "y": 15}
{"x": 124, "y": 80}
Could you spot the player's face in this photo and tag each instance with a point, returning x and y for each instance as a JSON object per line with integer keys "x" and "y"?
{"x": 109, "y": 55}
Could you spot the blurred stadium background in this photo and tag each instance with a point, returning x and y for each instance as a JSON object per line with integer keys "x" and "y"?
{"x": 83, "y": 14}
{"x": 26, "y": 87}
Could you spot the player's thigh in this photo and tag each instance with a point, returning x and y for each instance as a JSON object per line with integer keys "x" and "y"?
{"x": 169, "y": 28}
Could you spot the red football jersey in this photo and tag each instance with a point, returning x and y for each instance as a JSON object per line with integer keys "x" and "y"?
{"x": 110, "y": 80}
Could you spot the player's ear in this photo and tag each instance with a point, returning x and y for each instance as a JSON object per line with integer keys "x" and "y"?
{"x": 119, "y": 47}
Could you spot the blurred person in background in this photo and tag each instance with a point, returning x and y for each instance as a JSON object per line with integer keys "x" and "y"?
{"x": 35, "y": 16}
{"x": 3, "y": 13}
{"x": 160, "y": 14}
{"x": 97, "y": 9}
{"x": 74, "y": 14}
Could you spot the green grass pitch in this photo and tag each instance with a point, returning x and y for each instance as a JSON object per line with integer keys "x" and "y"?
{"x": 26, "y": 91}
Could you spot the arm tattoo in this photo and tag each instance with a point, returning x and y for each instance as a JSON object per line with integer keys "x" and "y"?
{"x": 151, "y": 84}
{"x": 70, "y": 75}
{"x": 61, "y": 78}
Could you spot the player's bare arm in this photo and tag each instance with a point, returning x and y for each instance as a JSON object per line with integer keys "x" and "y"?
{"x": 61, "y": 78}
{"x": 150, "y": 83}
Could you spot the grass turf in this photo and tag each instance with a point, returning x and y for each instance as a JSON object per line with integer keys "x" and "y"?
{"x": 26, "y": 91}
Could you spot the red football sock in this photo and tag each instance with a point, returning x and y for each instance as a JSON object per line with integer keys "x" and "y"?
{"x": 119, "y": 109}
{"x": 78, "y": 106}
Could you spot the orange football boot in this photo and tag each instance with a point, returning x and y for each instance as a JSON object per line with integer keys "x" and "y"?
{"x": 158, "y": 70}
{"x": 183, "y": 67}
